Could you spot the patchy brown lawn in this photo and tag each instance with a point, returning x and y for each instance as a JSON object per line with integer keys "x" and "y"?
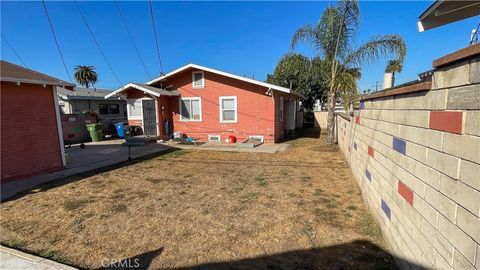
{"x": 300, "y": 209}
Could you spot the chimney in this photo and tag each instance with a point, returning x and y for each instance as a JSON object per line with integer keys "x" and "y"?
{"x": 388, "y": 80}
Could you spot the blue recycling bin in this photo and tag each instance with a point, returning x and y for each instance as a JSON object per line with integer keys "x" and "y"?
{"x": 119, "y": 127}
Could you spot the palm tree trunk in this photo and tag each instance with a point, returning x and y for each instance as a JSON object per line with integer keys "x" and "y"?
{"x": 331, "y": 116}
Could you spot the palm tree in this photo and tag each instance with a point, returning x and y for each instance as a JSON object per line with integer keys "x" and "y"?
{"x": 331, "y": 38}
{"x": 392, "y": 67}
{"x": 86, "y": 75}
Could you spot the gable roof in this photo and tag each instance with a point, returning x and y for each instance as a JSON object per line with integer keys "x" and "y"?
{"x": 145, "y": 88}
{"x": 226, "y": 74}
{"x": 13, "y": 73}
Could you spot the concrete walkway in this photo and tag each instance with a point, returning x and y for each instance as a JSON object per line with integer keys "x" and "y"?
{"x": 94, "y": 156}
{"x": 11, "y": 259}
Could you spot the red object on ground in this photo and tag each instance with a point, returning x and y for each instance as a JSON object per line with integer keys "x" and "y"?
{"x": 232, "y": 139}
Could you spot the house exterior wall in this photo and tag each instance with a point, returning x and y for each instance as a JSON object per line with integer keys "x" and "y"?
{"x": 77, "y": 106}
{"x": 416, "y": 157}
{"x": 29, "y": 136}
{"x": 257, "y": 113}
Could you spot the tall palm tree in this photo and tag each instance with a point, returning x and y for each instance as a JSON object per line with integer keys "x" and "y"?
{"x": 331, "y": 38}
{"x": 392, "y": 67}
{"x": 86, "y": 75}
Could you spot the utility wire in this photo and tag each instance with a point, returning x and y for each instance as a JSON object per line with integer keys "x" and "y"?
{"x": 13, "y": 50}
{"x": 155, "y": 35}
{"x": 56, "y": 41}
{"x": 96, "y": 42}
{"x": 131, "y": 38}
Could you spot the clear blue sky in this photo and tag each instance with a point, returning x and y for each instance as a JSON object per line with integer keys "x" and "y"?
{"x": 245, "y": 38}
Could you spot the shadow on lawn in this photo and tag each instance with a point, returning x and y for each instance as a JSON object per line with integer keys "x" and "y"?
{"x": 359, "y": 254}
{"x": 79, "y": 176}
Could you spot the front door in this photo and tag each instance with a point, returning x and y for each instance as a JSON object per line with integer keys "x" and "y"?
{"x": 149, "y": 118}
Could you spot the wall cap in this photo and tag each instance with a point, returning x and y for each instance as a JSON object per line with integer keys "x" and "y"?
{"x": 462, "y": 54}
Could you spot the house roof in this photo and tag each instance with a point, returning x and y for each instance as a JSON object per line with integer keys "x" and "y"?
{"x": 226, "y": 74}
{"x": 145, "y": 88}
{"x": 443, "y": 12}
{"x": 83, "y": 93}
{"x": 13, "y": 73}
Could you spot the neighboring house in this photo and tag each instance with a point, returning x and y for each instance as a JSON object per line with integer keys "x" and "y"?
{"x": 210, "y": 104}
{"x": 31, "y": 137}
{"x": 109, "y": 111}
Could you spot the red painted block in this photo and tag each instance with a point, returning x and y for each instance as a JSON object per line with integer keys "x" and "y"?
{"x": 405, "y": 192}
{"x": 446, "y": 121}
{"x": 371, "y": 151}
{"x": 357, "y": 120}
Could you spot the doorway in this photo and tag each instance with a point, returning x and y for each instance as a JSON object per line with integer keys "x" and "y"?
{"x": 149, "y": 117}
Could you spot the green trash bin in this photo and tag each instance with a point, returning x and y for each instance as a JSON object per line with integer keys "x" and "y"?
{"x": 95, "y": 131}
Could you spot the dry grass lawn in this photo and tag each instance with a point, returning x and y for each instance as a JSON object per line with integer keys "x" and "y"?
{"x": 300, "y": 209}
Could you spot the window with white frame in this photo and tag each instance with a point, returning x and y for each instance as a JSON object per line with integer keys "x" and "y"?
{"x": 228, "y": 109}
{"x": 134, "y": 108}
{"x": 281, "y": 109}
{"x": 198, "y": 80}
{"x": 191, "y": 109}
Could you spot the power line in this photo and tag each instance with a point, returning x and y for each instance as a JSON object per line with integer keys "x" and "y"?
{"x": 96, "y": 43}
{"x": 13, "y": 50}
{"x": 155, "y": 35}
{"x": 56, "y": 41}
{"x": 131, "y": 39}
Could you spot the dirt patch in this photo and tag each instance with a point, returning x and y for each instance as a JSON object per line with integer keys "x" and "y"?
{"x": 206, "y": 209}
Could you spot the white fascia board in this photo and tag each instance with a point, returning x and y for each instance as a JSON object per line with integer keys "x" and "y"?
{"x": 226, "y": 74}
{"x": 132, "y": 85}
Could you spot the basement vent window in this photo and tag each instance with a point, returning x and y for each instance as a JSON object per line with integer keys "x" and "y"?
{"x": 214, "y": 138}
{"x": 256, "y": 138}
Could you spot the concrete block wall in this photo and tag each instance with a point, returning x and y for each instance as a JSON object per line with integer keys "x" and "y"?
{"x": 416, "y": 157}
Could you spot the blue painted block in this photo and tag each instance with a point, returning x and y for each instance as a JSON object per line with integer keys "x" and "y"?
{"x": 355, "y": 146}
{"x": 369, "y": 175}
{"x": 362, "y": 104}
{"x": 386, "y": 209}
{"x": 399, "y": 145}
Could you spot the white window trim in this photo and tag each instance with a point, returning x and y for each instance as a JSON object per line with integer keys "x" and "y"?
{"x": 281, "y": 108}
{"x": 128, "y": 109}
{"x": 256, "y": 137}
{"x": 181, "y": 110}
{"x": 221, "y": 110}
{"x": 203, "y": 79}
{"x": 219, "y": 138}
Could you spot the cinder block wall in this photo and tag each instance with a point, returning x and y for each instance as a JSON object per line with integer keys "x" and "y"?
{"x": 416, "y": 157}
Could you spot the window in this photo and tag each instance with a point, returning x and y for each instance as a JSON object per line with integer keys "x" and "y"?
{"x": 281, "y": 109}
{"x": 113, "y": 109}
{"x": 103, "y": 108}
{"x": 214, "y": 138}
{"x": 198, "y": 80}
{"x": 190, "y": 109}
{"x": 134, "y": 108}
{"x": 228, "y": 109}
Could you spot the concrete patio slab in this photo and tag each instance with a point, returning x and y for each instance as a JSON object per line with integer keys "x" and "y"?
{"x": 233, "y": 147}
{"x": 94, "y": 156}
{"x": 14, "y": 259}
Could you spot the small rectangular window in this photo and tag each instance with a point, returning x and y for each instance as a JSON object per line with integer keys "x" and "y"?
{"x": 113, "y": 109}
{"x": 103, "y": 108}
{"x": 228, "y": 109}
{"x": 198, "y": 80}
{"x": 134, "y": 108}
{"x": 214, "y": 138}
{"x": 190, "y": 109}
